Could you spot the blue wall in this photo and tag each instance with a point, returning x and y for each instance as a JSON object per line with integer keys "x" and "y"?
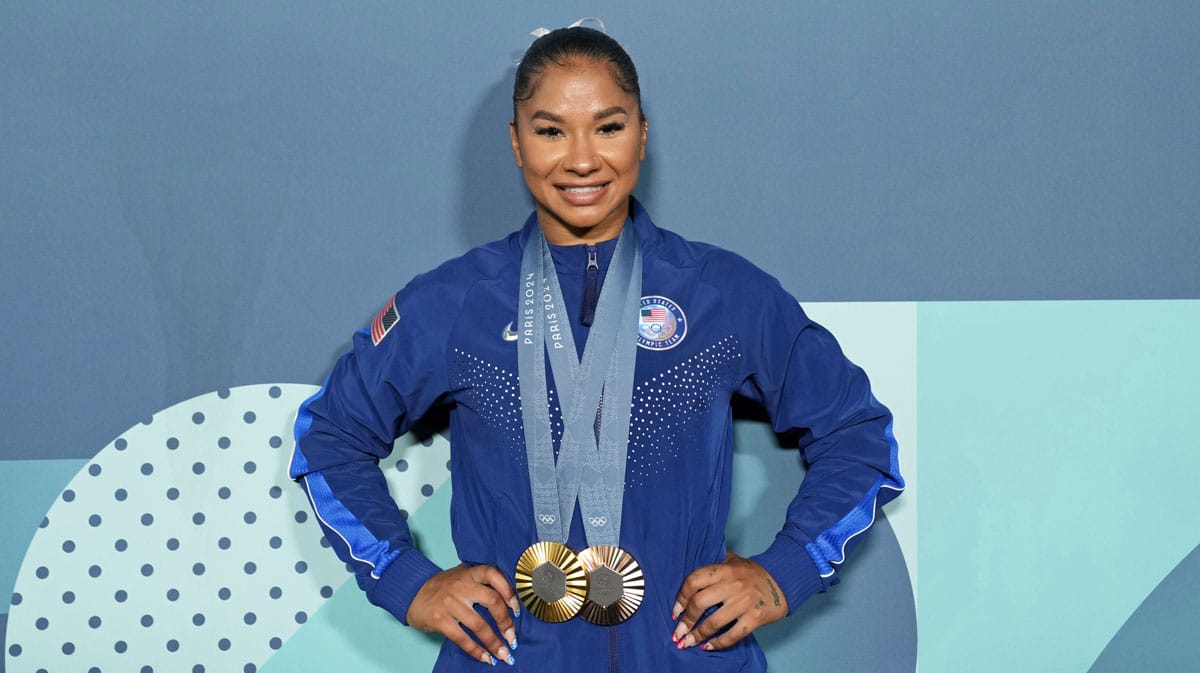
{"x": 202, "y": 198}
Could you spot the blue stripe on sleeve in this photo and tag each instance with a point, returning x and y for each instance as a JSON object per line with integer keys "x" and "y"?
{"x": 894, "y": 464}
{"x": 361, "y": 544}
{"x": 830, "y": 546}
{"x": 304, "y": 419}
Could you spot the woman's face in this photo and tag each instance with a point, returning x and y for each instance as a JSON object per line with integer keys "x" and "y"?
{"x": 579, "y": 140}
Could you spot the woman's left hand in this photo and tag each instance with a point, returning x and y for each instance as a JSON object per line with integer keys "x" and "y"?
{"x": 748, "y": 598}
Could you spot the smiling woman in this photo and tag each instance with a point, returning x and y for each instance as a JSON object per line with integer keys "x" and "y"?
{"x": 592, "y": 449}
{"x": 579, "y": 137}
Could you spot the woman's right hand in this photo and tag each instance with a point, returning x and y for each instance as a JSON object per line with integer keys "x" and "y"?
{"x": 446, "y": 603}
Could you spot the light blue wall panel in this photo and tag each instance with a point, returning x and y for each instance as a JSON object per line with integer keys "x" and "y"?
{"x": 1058, "y": 463}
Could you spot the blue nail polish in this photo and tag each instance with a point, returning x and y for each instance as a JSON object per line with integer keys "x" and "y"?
{"x": 511, "y": 660}
{"x": 514, "y": 643}
{"x": 493, "y": 659}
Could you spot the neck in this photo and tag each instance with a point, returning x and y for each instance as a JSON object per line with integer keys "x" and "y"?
{"x": 559, "y": 233}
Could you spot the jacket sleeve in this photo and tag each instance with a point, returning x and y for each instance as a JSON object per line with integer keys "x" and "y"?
{"x": 812, "y": 391}
{"x": 392, "y": 375}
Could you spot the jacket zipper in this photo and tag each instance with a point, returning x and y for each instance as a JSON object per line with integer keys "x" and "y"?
{"x": 591, "y": 295}
{"x": 591, "y": 286}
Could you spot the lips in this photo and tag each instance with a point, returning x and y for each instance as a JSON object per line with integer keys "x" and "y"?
{"x": 582, "y": 195}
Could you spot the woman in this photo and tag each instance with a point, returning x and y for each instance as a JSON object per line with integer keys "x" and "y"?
{"x": 589, "y": 360}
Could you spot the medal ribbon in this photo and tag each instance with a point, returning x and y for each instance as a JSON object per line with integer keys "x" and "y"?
{"x": 595, "y": 393}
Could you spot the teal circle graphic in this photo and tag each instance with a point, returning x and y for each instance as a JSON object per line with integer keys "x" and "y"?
{"x": 183, "y": 545}
{"x": 153, "y": 557}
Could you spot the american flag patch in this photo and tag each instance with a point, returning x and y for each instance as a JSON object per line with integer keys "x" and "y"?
{"x": 654, "y": 314}
{"x": 384, "y": 321}
{"x": 661, "y": 323}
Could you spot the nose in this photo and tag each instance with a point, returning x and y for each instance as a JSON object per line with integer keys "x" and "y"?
{"x": 581, "y": 156}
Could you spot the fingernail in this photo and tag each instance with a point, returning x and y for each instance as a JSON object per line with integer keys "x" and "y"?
{"x": 515, "y": 606}
{"x": 506, "y": 656}
{"x": 680, "y": 629}
{"x": 676, "y": 611}
{"x": 487, "y": 659}
{"x": 707, "y": 647}
{"x": 688, "y": 642}
{"x": 674, "y": 638}
{"x": 511, "y": 636}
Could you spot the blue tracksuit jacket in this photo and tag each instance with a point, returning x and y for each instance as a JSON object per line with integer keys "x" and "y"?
{"x": 742, "y": 334}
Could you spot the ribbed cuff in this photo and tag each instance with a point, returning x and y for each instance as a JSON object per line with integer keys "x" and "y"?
{"x": 401, "y": 581}
{"x": 793, "y": 570}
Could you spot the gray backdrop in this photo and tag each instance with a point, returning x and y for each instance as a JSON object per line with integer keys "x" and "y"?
{"x": 196, "y": 197}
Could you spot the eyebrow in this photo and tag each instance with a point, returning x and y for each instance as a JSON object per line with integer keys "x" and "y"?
{"x": 548, "y": 116}
{"x": 606, "y": 112}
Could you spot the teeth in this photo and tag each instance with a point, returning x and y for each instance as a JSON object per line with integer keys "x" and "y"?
{"x": 583, "y": 190}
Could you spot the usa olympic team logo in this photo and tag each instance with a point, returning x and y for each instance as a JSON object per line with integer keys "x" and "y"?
{"x": 661, "y": 323}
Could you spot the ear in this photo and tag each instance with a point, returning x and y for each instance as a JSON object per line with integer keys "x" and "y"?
{"x": 516, "y": 144}
{"x": 645, "y": 131}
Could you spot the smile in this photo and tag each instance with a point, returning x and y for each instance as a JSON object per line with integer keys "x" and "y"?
{"x": 582, "y": 190}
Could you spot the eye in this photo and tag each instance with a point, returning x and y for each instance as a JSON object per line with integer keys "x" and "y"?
{"x": 547, "y": 131}
{"x": 611, "y": 128}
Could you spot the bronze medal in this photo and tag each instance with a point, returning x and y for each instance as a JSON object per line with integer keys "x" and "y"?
{"x": 551, "y": 581}
{"x": 616, "y": 585}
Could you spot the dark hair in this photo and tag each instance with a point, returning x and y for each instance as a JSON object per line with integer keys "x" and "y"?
{"x": 560, "y": 47}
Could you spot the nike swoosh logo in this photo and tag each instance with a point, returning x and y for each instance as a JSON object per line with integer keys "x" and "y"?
{"x": 509, "y": 334}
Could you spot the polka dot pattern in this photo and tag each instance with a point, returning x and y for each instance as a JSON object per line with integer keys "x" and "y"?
{"x": 155, "y": 555}
{"x": 665, "y": 406}
{"x": 495, "y": 394}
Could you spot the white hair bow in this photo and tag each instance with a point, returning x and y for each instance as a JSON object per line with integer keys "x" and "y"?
{"x": 538, "y": 32}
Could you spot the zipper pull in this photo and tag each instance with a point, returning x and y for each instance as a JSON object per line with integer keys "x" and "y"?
{"x": 591, "y": 286}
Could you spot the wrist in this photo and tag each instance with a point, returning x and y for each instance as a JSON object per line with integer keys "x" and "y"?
{"x": 396, "y": 588}
{"x": 791, "y": 569}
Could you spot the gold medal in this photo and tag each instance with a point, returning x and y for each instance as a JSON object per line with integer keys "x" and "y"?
{"x": 615, "y": 585}
{"x": 551, "y": 581}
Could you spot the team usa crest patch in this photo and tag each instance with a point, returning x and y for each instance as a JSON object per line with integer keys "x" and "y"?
{"x": 384, "y": 321}
{"x": 661, "y": 323}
